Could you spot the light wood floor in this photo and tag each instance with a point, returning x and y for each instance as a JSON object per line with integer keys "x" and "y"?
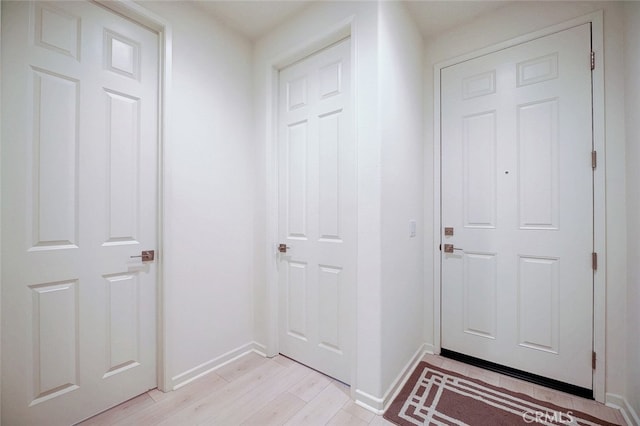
{"x": 258, "y": 391}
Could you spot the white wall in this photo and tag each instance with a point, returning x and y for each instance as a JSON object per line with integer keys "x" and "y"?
{"x": 508, "y": 22}
{"x": 208, "y": 192}
{"x": 401, "y": 113}
{"x": 632, "y": 101}
{"x": 0, "y": 231}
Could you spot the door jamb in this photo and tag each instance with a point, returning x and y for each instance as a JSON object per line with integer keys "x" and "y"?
{"x": 1, "y": 217}
{"x": 599, "y": 189}
{"x": 163, "y": 28}
{"x": 342, "y": 30}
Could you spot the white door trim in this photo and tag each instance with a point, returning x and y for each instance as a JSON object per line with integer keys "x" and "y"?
{"x": 143, "y": 16}
{"x": 1, "y": 286}
{"x": 332, "y": 35}
{"x": 599, "y": 308}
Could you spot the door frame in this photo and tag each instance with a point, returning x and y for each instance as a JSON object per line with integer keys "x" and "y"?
{"x": 163, "y": 28}
{"x": 599, "y": 193}
{"x": 1, "y": 286}
{"x": 332, "y": 35}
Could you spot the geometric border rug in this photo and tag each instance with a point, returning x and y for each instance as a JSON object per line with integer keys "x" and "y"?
{"x": 435, "y": 396}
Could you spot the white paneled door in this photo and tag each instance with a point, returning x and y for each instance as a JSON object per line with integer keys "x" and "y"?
{"x": 317, "y": 211}
{"x": 79, "y": 198}
{"x": 517, "y": 289}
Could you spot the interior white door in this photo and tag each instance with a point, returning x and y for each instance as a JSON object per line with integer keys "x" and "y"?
{"x": 79, "y": 198}
{"x": 517, "y": 191}
{"x": 317, "y": 211}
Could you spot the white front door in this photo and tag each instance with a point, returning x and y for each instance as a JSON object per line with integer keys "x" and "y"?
{"x": 317, "y": 211}
{"x": 517, "y": 193}
{"x": 79, "y": 198}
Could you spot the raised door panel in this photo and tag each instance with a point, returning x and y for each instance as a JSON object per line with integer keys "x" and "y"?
{"x": 538, "y": 303}
{"x": 296, "y": 300}
{"x": 57, "y": 30}
{"x": 296, "y": 93}
{"x": 122, "y": 55}
{"x": 480, "y": 294}
{"x": 296, "y": 180}
{"x": 123, "y": 191}
{"x": 330, "y": 77}
{"x": 54, "y": 160}
{"x": 537, "y": 70}
{"x": 56, "y": 361}
{"x": 538, "y": 158}
{"x": 329, "y": 176}
{"x": 329, "y": 308}
{"x": 479, "y": 85}
{"x": 123, "y": 323}
{"x": 479, "y": 159}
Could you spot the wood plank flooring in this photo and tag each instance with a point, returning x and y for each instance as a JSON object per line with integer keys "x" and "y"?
{"x": 254, "y": 390}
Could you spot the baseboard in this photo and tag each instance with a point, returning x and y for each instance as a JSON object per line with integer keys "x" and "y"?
{"x": 431, "y": 349}
{"x": 212, "y": 365}
{"x": 621, "y": 403}
{"x": 379, "y": 405}
{"x": 397, "y": 384}
{"x": 369, "y": 402}
{"x": 260, "y": 349}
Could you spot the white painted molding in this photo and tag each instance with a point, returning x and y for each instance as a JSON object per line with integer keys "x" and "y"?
{"x": 205, "y": 368}
{"x": 369, "y": 402}
{"x": 627, "y": 411}
{"x": 260, "y": 349}
{"x": 599, "y": 208}
{"x": 431, "y": 349}
{"x": 379, "y": 405}
{"x": 0, "y": 220}
{"x": 404, "y": 375}
{"x": 596, "y": 19}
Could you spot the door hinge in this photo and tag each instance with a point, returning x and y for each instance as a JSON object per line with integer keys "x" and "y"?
{"x": 594, "y": 261}
{"x": 440, "y": 248}
{"x": 593, "y": 360}
{"x": 594, "y": 159}
{"x": 593, "y": 60}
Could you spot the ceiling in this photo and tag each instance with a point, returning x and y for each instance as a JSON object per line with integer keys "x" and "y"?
{"x": 434, "y": 17}
{"x": 255, "y": 18}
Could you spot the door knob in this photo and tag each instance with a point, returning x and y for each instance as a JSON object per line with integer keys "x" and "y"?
{"x": 449, "y": 248}
{"x": 282, "y": 248}
{"x": 147, "y": 255}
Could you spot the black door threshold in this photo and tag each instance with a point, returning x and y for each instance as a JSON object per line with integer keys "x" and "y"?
{"x": 519, "y": 374}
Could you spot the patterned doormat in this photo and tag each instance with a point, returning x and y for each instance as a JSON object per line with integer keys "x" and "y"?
{"x": 434, "y": 396}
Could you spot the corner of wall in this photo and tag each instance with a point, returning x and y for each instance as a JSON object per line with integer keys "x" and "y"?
{"x": 205, "y": 368}
{"x": 632, "y": 122}
{"x": 401, "y": 106}
{"x": 621, "y": 403}
{"x": 212, "y": 299}
{"x": 0, "y": 226}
